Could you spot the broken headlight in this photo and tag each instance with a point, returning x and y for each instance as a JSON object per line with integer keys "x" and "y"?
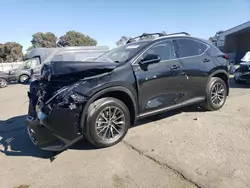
{"x": 67, "y": 96}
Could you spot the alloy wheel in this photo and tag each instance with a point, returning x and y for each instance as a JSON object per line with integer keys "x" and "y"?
{"x": 31, "y": 135}
{"x": 110, "y": 123}
{"x": 24, "y": 79}
{"x": 218, "y": 94}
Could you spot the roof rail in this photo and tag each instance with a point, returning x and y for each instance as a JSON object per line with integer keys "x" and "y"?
{"x": 145, "y": 35}
{"x": 179, "y": 33}
{"x": 159, "y": 35}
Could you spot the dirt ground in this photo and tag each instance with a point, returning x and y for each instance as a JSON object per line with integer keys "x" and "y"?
{"x": 184, "y": 148}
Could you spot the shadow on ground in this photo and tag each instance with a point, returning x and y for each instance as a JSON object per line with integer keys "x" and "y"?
{"x": 17, "y": 83}
{"x": 14, "y": 139}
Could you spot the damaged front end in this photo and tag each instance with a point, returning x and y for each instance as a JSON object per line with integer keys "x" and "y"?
{"x": 56, "y": 105}
{"x": 54, "y": 124}
{"x": 242, "y": 74}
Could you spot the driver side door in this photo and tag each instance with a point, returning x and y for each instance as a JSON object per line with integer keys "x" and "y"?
{"x": 158, "y": 85}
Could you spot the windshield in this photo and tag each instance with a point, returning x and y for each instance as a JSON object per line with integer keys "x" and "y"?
{"x": 27, "y": 63}
{"x": 121, "y": 54}
{"x": 30, "y": 63}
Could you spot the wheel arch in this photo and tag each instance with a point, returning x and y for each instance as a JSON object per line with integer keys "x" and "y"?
{"x": 118, "y": 92}
{"x": 223, "y": 74}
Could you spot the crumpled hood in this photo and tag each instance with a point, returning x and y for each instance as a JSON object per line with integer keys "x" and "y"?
{"x": 77, "y": 69}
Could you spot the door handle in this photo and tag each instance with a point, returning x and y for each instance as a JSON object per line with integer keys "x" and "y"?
{"x": 206, "y": 60}
{"x": 173, "y": 67}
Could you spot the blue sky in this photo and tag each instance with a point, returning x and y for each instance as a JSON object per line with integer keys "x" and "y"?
{"x": 108, "y": 20}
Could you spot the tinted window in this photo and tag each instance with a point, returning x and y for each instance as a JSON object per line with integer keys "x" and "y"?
{"x": 189, "y": 47}
{"x": 163, "y": 49}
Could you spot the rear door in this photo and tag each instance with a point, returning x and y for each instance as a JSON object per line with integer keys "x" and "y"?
{"x": 193, "y": 57}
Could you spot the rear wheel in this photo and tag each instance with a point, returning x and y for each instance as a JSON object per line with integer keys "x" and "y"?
{"x": 3, "y": 82}
{"x": 216, "y": 94}
{"x": 107, "y": 123}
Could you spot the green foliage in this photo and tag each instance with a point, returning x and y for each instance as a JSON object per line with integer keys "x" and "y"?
{"x": 74, "y": 38}
{"x": 30, "y": 48}
{"x": 46, "y": 40}
{"x": 10, "y": 52}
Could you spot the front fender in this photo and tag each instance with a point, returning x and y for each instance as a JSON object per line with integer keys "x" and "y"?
{"x": 101, "y": 92}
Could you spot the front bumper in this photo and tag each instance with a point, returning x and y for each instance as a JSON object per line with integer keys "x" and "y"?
{"x": 242, "y": 76}
{"x": 56, "y": 131}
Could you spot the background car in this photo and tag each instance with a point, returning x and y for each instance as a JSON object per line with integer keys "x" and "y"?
{"x": 4, "y": 79}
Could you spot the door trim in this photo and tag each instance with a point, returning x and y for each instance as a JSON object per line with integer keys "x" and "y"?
{"x": 169, "y": 108}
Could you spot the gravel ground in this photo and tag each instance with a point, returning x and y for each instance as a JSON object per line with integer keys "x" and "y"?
{"x": 184, "y": 148}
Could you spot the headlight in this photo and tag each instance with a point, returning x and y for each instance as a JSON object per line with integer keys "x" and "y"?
{"x": 66, "y": 95}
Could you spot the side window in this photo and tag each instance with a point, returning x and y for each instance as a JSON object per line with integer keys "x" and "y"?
{"x": 163, "y": 49}
{"x": 189, "y": 47}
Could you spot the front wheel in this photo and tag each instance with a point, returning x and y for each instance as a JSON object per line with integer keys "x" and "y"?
{"x": 216, "y": 94}
{"x": 107, "y": 123}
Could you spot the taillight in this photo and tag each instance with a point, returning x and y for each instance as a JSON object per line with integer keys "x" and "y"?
{"x": 226, "y": 57}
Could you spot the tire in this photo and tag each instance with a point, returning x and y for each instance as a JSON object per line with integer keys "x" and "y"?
{"x": 94, "y": 115}
{"x": 32, "y": 137}
{"x": 24, "y": 79}
{"x": 3, "y": 83}
{"x": 210, "y": 104}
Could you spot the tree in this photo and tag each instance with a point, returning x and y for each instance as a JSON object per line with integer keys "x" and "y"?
{"x": 74, "y": 38}
{"x": 30, "y": 48}
{"x": 11, "y": 52}
{"x": 46, "y": 40}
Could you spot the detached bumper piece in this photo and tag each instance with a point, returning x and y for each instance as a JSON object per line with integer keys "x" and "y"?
{"x": 56, "y": 131}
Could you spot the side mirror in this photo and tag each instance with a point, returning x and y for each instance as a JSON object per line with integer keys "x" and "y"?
{"x": 150, "y": 58}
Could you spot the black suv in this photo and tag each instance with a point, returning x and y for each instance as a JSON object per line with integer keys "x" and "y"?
{"x": 100, "y": 100}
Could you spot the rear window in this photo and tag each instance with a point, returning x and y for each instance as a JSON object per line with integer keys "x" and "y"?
{"x": 188, "y": 47}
